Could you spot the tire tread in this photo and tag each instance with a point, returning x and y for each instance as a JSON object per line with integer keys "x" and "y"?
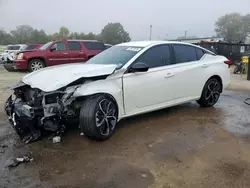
{"x": 87, "y": 118}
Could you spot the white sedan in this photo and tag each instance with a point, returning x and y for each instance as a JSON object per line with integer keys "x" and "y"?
{"x": 125, "y": 80}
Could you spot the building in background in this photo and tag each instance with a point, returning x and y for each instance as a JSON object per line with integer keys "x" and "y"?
{"x": 197, "y": 40}
{"x": 247, "y": 40}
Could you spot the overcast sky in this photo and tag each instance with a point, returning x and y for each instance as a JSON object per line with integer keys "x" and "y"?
{"x": 170, "y": 18}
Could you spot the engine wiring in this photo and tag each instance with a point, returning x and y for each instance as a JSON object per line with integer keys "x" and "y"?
{"x": 245, "y": 101}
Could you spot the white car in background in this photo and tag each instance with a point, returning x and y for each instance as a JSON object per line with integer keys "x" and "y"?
{"x": 14, "y": 48}
{"x": 10, "y": 51}
{"x": 125, "y": 80}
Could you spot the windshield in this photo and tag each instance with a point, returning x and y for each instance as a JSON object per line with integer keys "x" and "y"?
{"x": 12, "y": 48}
{"x": 118, "y": 55}
{"x": 45, "y": 46}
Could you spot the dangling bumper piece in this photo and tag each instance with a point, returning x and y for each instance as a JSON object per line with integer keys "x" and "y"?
{"x": 21, "y": 117}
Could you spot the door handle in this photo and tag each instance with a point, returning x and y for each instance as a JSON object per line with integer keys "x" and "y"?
{"x": 80, "y": 52}
{"x": 204, "y": 65}
{"x": 169, "y": 74}
{"x": 65, "y": 53}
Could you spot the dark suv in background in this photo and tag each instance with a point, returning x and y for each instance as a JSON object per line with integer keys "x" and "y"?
{"x": 32, "y": 47}
{"x": 57, "y": 53}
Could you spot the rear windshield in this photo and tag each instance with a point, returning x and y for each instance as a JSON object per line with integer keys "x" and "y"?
{"x": 94, "y": 45}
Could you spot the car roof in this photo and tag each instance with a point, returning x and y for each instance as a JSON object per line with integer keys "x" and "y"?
{"x": 83, "y": 40}
{"x": 144, "y": 44}
{"x": 16, "y": 45}
{"x": 76, "y": 40}
{"x": 148, "y": 43}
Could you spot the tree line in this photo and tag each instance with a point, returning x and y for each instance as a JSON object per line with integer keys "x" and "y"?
{"x": 233, "y": 27}
{"x": 112, "y": 33}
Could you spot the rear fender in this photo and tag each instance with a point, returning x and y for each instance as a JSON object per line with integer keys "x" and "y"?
{"x": 218, "y": 68}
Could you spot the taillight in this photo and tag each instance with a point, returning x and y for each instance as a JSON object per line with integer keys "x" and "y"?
{"x": 228, "y": 62}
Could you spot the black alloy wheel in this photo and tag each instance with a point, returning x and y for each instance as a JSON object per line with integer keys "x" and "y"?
{"x": 211, "y": 93}
{"x": 98, "y": 117}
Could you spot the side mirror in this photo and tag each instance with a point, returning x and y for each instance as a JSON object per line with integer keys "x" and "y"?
{"x": 52, "y": 49}
{"x": 139, "y": 67}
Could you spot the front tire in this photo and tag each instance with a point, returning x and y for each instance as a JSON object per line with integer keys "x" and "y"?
{"x": 98, "y": 117}
{"x": 211, "y": 93}
{"x": 35, "y": 64}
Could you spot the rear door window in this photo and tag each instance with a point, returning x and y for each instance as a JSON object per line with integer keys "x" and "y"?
{"x": 184, "y": 53}
{"x": 94, "y": 45}
{"x": 74, "y": 46}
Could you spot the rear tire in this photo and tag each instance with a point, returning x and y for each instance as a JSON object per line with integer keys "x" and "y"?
{"x": 211, "y": 93}
{"x": 35, "y": 64}
{"x": 98, "y": 117}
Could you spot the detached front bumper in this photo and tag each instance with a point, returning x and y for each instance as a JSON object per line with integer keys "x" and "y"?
{"x": 33, "y": 122}
{"x": 9, "y": 66}
{"x": 15, "y": 65}
{"x": 21, "y": 117}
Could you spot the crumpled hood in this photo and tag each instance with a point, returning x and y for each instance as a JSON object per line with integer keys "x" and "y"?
{"x": 33, "y": 50}
{"x": 56, "y": 77}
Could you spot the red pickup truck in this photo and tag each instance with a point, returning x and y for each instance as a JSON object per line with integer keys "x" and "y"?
{"x": 57, "y": 53}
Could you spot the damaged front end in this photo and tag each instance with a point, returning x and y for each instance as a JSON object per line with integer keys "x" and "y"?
{"x": 34, "y": 113}
{"x": 45, "y": 101}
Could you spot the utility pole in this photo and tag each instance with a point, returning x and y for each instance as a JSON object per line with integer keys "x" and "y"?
{"x": 150, "y": 32}
{"x": 185, "y": 34}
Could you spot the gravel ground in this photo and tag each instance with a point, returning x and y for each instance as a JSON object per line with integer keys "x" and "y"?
{"x": 183, "y": 146}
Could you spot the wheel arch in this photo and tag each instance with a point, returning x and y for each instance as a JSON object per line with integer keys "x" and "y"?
{"x": 41, "y": 58}
{"x": 219, "y": 79}
{"x": 112, "y": 88}
{"x": 103, "y": 87}
{"x": 110, "y": 96}
{"x": 84, "y": 97}
{"x": 203, "y": 101}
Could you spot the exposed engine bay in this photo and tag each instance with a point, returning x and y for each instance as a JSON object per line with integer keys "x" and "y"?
{"x": 35, "y": 113}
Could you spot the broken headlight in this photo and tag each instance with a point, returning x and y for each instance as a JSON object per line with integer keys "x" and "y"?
{"x": 51, "y": 98}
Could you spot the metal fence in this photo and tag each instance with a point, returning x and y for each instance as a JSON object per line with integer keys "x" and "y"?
{"x": 232, "y": 51}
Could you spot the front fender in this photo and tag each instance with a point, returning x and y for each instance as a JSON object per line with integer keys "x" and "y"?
{"x": 112, "y": 87}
